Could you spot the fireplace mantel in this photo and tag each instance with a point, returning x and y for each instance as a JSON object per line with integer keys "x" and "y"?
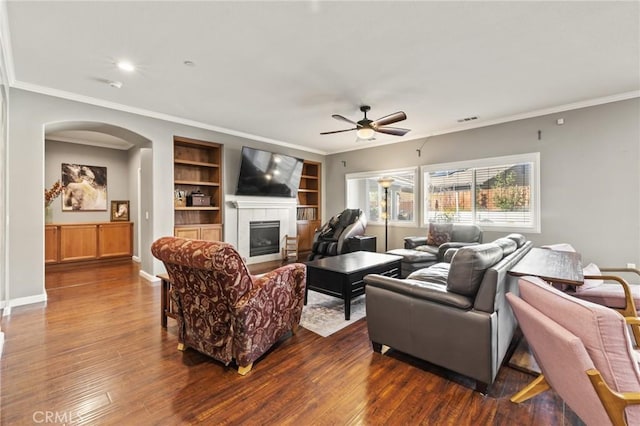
{"x": 263, "y": 203}
{"x": 244, "y": 209}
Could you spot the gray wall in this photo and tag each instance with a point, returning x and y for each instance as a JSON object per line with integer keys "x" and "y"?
{"x": 118, "y": 176}
{"x": 589, "y": 167}
{"x": 30, "y": 113}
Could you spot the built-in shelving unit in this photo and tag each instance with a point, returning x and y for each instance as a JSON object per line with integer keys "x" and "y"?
{"x": 197, "y": 168}
{"x": 309, "y": 204}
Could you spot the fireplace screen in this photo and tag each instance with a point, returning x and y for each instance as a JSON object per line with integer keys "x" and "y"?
{"x": 264, "y": 237}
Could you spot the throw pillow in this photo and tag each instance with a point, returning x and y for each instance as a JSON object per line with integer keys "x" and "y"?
{"x": 439, "y": 233}
{"x": 590, "y": 269}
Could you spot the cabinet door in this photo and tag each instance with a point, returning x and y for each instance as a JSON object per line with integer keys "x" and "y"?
{"x": 212, "y": 233}
{"x": 115, "y": 239}
{"x": 191, "y": 232}
{"x": 78, "y": 242}
{"x": 51, "y": 244}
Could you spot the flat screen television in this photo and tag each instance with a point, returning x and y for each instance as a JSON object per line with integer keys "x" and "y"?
{"x": 268, "y": 174}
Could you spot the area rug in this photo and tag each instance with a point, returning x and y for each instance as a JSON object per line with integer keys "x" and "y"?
{"x": 324, "y": 315}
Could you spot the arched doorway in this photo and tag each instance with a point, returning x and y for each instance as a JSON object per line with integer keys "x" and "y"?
{"x": 127, "y": 153}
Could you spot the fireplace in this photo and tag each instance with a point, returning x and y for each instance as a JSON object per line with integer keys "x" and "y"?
{"x": 243, "y": 210}
{"x": 264, "y": 237}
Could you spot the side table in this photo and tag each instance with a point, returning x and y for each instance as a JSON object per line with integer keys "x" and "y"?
{"x": 166, "y": 307}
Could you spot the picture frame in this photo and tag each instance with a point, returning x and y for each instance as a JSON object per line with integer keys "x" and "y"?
{"x": 119, "y": 210}
{"x": 84, "y": 187}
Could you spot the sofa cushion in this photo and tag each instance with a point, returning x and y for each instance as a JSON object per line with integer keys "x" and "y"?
{"x": 413, "y": 256}
{"x": 424, "y": 290}
{"x": 507, "y": 245}
{"x": 437, "y": 274}
{"x": 468, "y": 267}
{"x": 518, "y": 238}
{"x": 439, "y": 233}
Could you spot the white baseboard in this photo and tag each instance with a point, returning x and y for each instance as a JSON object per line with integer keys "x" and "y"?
{"x": 136, "y": 259}
{"x": 20, "y": 301}
{"x": 153, "y": 280}
{"x": 1, "y": 342}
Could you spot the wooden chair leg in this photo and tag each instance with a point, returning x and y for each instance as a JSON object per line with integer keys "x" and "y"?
{"x": 537, "y": 386}
{"x": 182, "y": 347}
{"x": 244, "y": 370}
{"x": 294, "y": 329}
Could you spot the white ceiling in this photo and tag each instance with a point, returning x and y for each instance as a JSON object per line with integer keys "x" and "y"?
{"x": 277, "y": 70}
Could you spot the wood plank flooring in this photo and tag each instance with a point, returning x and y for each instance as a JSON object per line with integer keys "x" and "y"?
{"x": 95, "y": 354}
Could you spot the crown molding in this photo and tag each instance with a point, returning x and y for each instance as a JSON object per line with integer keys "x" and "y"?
{"x": 153, "y": 114}
{"x": 531, "y": 114}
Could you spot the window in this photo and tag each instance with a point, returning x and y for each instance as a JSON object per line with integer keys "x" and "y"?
{"x": 366, "y": 193}
{"x": 496, "y": 193}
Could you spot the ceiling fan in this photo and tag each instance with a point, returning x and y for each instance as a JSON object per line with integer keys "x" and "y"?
{"x": 366, "y": 128}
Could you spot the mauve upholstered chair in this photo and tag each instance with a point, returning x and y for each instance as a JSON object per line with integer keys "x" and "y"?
{"x": 602, "y": 287}
{"x": 222, "y": 310}
{"x": 584, "y": 351}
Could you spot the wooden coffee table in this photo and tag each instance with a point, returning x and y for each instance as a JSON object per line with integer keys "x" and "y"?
{"x": 342, "y": 276}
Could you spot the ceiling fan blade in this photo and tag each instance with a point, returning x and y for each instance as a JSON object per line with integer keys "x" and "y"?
{"x": 396, "y": 131}
{"x": 390, "y": 119}
{"x": 338, "y": 131}
{"x": 341, "y": 118}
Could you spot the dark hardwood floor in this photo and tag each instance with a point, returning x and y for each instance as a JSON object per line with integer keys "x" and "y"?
{"x": 95, "y": 354}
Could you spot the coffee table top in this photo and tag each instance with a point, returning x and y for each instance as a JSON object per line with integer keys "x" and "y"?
{"x": 353, "y": 262}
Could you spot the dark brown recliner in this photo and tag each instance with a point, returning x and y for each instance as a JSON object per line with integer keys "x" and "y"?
{"x": 332, "y": 238}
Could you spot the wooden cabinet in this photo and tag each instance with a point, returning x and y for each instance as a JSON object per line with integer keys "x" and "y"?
{"x": 309, "y": 197}
{"x": 78, "y": 242}
{"x": 115, "y": 239}
{"x": 197, "y": 168}
{"x": 202, "y": 232}
{"x": 51, "y": 244}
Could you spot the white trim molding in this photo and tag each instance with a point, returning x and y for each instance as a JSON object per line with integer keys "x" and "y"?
{"x": 152, "y": 279}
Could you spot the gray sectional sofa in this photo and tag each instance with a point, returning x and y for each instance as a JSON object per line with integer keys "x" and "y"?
{"x": 418, "y": 254}
{"x": 454, "y": 315}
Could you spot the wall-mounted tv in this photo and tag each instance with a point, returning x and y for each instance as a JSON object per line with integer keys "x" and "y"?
{"x": 268, "y": 174}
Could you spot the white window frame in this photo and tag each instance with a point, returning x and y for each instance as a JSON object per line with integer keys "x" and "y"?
{"x": 533, "y": 158}
{"x": 384, "y": 173}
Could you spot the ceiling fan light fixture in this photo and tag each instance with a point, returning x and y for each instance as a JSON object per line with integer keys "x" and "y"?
{"x": 365, "y": 132}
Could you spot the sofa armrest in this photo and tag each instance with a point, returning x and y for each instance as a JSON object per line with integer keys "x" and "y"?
{"x": 452, "y": 244}
{"x": 413, "y": 242}
{"x": 435, "y": 293}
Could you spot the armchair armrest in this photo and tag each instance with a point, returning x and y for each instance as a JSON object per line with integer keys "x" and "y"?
{"x": 614, "y": 402}
{"x": 413, "y": 242}
{"x": 629, "y": 310}
{"x": 621, "y": 269}
{"x": 290, "y": 278}
{"x": 630, "y": 307}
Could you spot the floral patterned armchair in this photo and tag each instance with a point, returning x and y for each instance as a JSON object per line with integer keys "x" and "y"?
{"x": 222, "y": 310}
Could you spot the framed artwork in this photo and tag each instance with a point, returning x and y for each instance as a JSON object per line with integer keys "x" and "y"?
{"x": 85, "y": 188}
{"x": 119, "y": 210}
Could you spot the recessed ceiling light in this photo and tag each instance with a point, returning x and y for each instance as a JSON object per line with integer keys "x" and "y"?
{"x": 126, "y": 66}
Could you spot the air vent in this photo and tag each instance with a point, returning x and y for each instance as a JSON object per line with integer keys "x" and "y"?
{"x": 464, "y": 120}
